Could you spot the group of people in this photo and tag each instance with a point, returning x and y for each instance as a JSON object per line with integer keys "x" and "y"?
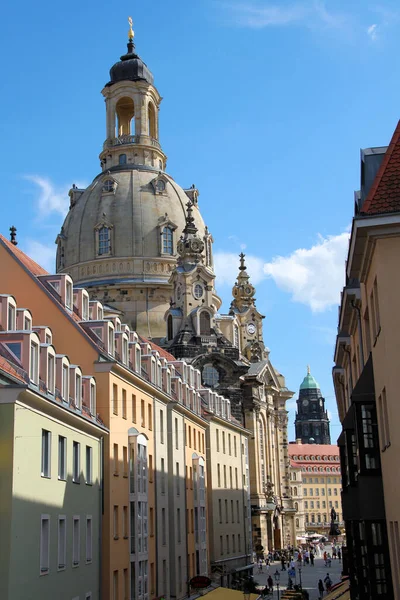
{"x": 321, "y": 587}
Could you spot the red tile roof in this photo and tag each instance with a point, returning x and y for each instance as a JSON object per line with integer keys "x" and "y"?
{"x": 30, "y": 264}
{"x": 8, "y": 368}
{"x": 163, "y": 353}
{"x": 384, "y": 195}
{"x": 313, "y": 450}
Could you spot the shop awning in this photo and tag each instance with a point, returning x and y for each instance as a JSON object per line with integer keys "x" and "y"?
{"x": 222, "y": 593}
{"x": 340, "y": 591}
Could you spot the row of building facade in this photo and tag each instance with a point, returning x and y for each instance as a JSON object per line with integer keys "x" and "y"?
{"x": 366, "y": 378}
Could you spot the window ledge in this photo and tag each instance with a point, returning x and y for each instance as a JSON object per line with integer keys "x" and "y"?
{"x": 44, "y": 572}
{"x": 125, "y": 476}
{"x": 61, "y": 478}
{"x": 46, "y": 476}
{"x": 116, "y": 474}
{"x": 61, "y": 568}
{"x": 89, "y": 562}
{"x": 76, "y": 482}
{"x": 75, "y": 564}
{"x": 126, "y": 537}
{"x": 90, "y": 483}
{"x": 116, "y": 537}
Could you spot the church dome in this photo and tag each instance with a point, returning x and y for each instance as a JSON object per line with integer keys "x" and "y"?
{"x": 309, "y": 383}
{"x": 136, "y": 213}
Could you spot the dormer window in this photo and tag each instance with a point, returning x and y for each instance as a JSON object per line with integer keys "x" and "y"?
{"x": 68, "y": 295}
{"x": 34, "y": 363}
{"x": 11, "y": 317}
{"x": 125, "y": 351}
{"x": 104, "y": 241}
{"x": 167, "y": 240}
{"x": 64, "y": 384}
{"x": 85, "y": 308}
{"x": 78, "y": 391}
{"x": 50, "y": 373}
{"x": 160, "y": 185}
{"x": 92, "y": 398}
{"x": 111, "y": 348}
{"x": 109, "y": 186}
{"x": 138, "y": 360}
{"x": 27, "y": 324}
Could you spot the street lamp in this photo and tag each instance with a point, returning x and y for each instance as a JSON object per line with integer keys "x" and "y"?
{"x": 301, "y": 587}
{"x": 277, "y": 576}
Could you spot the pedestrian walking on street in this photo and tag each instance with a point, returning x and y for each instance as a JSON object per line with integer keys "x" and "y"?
{"x": 312, "y": 558}
{"x": 328, "y": 582}
{"x": 339, "y": 554}
{"x": 283, "y": 564}
{"x": 320, "y": 589}
{"x": 270, "y": 582}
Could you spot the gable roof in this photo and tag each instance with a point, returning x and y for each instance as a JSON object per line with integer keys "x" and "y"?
{"x": 384, "y": 195}
{"x": 28, "y": 262}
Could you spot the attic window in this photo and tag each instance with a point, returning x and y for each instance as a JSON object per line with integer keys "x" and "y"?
{"x": 108, "y": 186}
{"x": 160, "y": 185}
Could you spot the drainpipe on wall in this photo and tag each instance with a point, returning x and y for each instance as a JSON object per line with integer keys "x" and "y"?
{"x": 101, "y": 507}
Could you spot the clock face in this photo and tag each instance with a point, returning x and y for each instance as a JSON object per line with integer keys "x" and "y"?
{"x": 305, "y": 402}
{"x": 251, "y": 328}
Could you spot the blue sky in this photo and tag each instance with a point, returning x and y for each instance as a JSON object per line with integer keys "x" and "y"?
{"x": 265, "y": 108}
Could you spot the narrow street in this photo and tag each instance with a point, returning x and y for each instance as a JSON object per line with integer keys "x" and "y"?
{"x": 309, "y": 575}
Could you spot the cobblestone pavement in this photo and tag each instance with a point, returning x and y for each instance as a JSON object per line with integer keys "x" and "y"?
{"x": 309, "y": 575}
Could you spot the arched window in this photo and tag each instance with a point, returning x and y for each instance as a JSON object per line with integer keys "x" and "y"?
{"x": 104, "y": 240}
{"x": 170, "y": 333}
{"x": 297, "y": 523}
{"x": 205, "y": 323}
{"x": 295, "y": 491}
{"x": 294, "y": 476}
{"x": 122, "y": 159}
{"x": 125, "y": 111}
{"x": 167, "y": 240}
{"x": 152, "y": 121}
{"x": 210, "y": 376}
{"x": 296, "y": 506}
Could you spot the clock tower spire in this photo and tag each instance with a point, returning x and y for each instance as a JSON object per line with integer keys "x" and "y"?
{"x": 311, "y": 423}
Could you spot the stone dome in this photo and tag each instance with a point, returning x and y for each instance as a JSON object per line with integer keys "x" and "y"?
{"x": 136, "y": 212}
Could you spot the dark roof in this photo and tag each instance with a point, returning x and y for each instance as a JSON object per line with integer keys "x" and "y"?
{"x": 384, "y": 195}
{"x": 130, "y": 68}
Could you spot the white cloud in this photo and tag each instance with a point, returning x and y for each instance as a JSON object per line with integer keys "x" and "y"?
{"x": 51, "y": 198}
{"x": 372, "y": 32}
{"x": 308, "y": 14}
{"x": 44, "y": 255}
{"x": 313, "y": 276}
{"x": 226, "y": 266}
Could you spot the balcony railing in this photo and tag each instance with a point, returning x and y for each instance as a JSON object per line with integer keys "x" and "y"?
{"x": 122, "y": 140}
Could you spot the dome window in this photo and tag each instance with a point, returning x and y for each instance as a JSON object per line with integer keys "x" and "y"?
{"x": 122, "y": 159}
{"x": 160, "y": 185}
{"x": 109, "y": 186}
{"x": 104, "y": 239}
{"x": 198, "y": 291}
{"x": 167, "y": 241}
{"x": 205, "y": 323}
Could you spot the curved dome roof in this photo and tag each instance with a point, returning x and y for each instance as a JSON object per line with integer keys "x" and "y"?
{"x": 309, "y": 383}
{"x": 135, "y": 213}
{"x": 130, "y": 68}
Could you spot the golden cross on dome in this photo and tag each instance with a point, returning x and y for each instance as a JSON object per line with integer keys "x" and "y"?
{"x": 131, "y": 33}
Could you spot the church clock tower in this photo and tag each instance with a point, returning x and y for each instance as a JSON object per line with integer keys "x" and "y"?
{"x": 311, "y": 423}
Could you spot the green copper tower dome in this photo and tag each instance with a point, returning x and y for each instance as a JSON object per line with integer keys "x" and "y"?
{"x": 309, "y": 383}
{"x": 312, "y": 422}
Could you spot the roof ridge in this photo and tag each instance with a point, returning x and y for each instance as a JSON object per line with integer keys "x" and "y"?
{"x": 23, "y": 257}
{"x": 384, "y": 204}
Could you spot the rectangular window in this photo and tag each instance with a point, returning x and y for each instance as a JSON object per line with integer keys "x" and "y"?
{"x": 124, "y": 404}
{"x": 76, "y": 542}
{"x": 142, "y": 415}
{"x": 220, "y": 510}
{"x": 176, "y": 435}
{"x": 225, "y": 476}
{"x": 233, "y": 543}
{"x": 150, "y": 417}
{"x": 230, "y": 477}
{"x": 217, "y": 438}
{"x": 115, "y": 586}
{"x": 194, "y": 439}
{"x": 126, "y": 590}
{"x": 178, "y": 487}
{"x": 219, "y": 474}
{"x": 234, "y": 445}
{"x": 50, "y": 373}
{"x": 232, "y": 513}
{"x": 151, "y": 517}
{"x": 62, "y": 458}
{"x": 161, "y": 426}
{"x": 229, "y": 444}
{"x": 34, "y": 364}
{"x": 76, "y": 462}
{"x": 64, "y": 383}
{"x": 236, "y": 478}
{"x": 89, "y": 463}
{"x": 383, "y": 420}
{"x": 11, "y": 317}
{"x": 190, "y": 437}
{"x": 227, "y": 544}
{"x": 221, "y": 545}
{"x": 223, "y": 442}
{"x": 44, "y": 544}
{"x": 46, "y": 453}
{"x": 163, "y": 527}
{"x": 133, "y": 408}
{"x": 116, "y": 470}
{"x": 89, "y": 537}
{"x": 115, "y": 522}
{"x": 125, "y": 522}
{"x": 68, "y": 295}
{"x": 226, "y": 512}
{"x": 237, "y": 511}
{"x": 78, "y": 391}
{"x": 115, "y": 399}
{"x": 125, "y": 460}
{"x": 62, "y": 542}
{"x": 163, "y": 476}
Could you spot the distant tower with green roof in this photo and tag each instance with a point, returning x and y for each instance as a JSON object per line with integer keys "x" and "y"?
{"x": 311, "y": 423}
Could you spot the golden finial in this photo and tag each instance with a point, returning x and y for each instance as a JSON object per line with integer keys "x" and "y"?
{"x": 308, "y": 369}
{"x": 131, "y": 33}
